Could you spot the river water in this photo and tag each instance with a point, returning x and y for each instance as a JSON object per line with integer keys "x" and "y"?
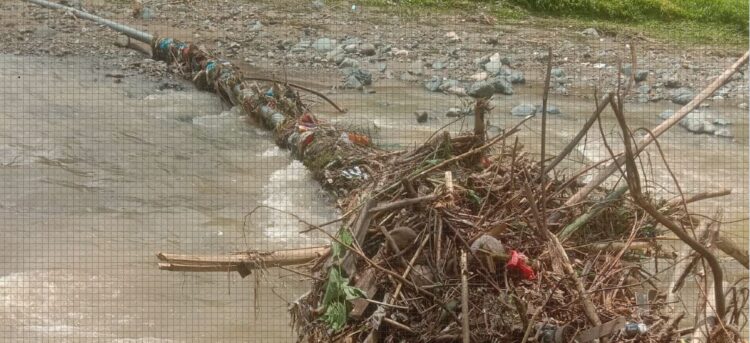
{"x": 100, "y": 175}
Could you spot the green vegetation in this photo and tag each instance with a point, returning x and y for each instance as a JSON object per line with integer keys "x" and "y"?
{"x": 708, "y": 21}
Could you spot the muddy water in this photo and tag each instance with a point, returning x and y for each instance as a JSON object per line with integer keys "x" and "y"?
{"x": 98, "y": 176}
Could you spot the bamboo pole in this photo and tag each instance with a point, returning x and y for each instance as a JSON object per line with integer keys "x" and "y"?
{"x": 138, "y": 35}
{"x": 239, "y": 261}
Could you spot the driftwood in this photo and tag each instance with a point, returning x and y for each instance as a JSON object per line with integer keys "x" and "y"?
{"x": 240, "y": 260}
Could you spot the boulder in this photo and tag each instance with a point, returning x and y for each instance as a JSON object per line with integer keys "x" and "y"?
{"x": 523, "y": 110}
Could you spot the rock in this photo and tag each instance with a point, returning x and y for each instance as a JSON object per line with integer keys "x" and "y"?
{"x": 318, "y": 5}
{"x": 349, "y": 63}
{"x": 439, "y": 65}
{"x": 363, "y": 76}
{"x": 698, "y": 122}
{"x": 626, "y": 69}
{"x": 723, "y": 132}
{"x": 352, "y": 82}
{"x": 456, "y": 90}
{"x": 721, "y": 122}
{"x": 516, "y": 77}
{"x": 455, "y": 112}
{"x": 403, "y": 237}
{"x": 479, "y": 76}
{"x": 416, "y": 68}
{"x": 682, "y": 95}
{"x": 408, "y": 77}
{"x": 257, "y": 26}
{"x": 743, "y": 106}
{"x": 590, "y": 32}
{"x": 400, "y": 52}
{"x": 324, "y": 44}
{"x": 506, "y": 60}
{"x": 367, "y": 49}
{"x": 422, "y": 276}
{"x": 487, "y": 244}
{"x": 452, "y": 36}
{"x": 666, "y": 114}
{"x": 672, "y": 83}
{"x": 557, "y": 73}
{"x": 448, "y": 84}
{"x": 493, "y": 65}
{"x": 502, "y": 85}
{"x": 421, "y": 116}
{"x": 350, "y": 48}
{"x": 642, "y": 98}
{"x": 301, "y": 46}
{"x": 72, "y": 3}
{"x": 523, "y": 110}
{"x": 644, "y": 89}
{"x": 551, "y": 109}
{"x": 481, "y": 89}
{"x": 147, "y": 14}
{"x": 641, "y": 75}
{"x": 599, "y": 65}
{"x": 433, "y": 84}
{"x": 336, "y": 55}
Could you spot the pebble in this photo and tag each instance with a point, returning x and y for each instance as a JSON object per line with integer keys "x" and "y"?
{"x": 349, "y": 63}
{"x": 257, "y": 26}
{"x": 350, "y": 48}
{"x": 421, "y": 116}
{"x": 558, "y": 73}
{"x": 454, "y": 112}
{"x": 591, "y": 32}
{"x": 452, "y": 36}
{"x": 551, "y": 109}
{"x": 516, "y": 77}
{"x": 644, "y": 89}
{"x": 502, "y": 85}
{"x": 682, "y": 95}
{"x": 433, "y": 84}
{"x": 367, "y": 49}
{"x": 481, "y": 89}
{"x": 324, "y": 44}
{"x": 523, "y": 110}
{"x": 479, "y": 76}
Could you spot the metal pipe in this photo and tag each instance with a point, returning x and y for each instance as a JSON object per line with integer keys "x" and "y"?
{"x": 141, "y": 36}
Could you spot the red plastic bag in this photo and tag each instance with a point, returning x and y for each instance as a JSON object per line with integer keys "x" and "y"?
{"x": 517, "y": 261}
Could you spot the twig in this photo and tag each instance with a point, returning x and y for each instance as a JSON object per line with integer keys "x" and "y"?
{"x": 321, "y": 95}
{"x": 465, "y": 299}
{"x": 472, "y": 151}
{"x": 635, "y": 191}
{"x": 403, "y": 203}
{"x": 661, "y": 128}
{"x": 573, "y": 143}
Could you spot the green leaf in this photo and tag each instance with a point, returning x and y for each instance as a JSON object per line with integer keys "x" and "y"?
{"x": 335, "y": 316}
{"x": 344, "y": 237}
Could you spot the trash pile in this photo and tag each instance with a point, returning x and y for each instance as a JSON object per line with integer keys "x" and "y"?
{"x": 465, "y": 238}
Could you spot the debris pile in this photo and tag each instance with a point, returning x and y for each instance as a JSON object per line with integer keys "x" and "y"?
{"x": 464, "y": 237}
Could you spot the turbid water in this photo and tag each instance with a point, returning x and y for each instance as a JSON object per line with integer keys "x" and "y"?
{"x": 99, "y": 175}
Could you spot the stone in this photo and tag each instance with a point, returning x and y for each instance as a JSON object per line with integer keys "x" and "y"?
{"x": 416, "y": 68}
{"x": 682, "y": 95}
{"x": 350, "y": 48}
{"x": 324, "y": 44}
{"x": 641, "y": 75}
{"x": 590, "y": 32}
{"x": 723, "y": 132}
{"x": 403, "y": 236}
{"x": 502, "y": 85}
{"x": 672, "y": 83}
{"x": 257, "y": 26}
{"x": 301, "y": 46}
{"x": 743, "y": 106}
{"x": 422, "y": 276}
{"x": 627, "y": 69}
{"x": 523, "y": 110}
{"x": 363, "y": 76}
{"x": 421, "y": 116}
{"x": 557, "y": 73}
{"x": 644, "y": 89}
{"x": 336, "y": 55}
{"x": 433, "y": 84}
{"x": 147, "y": 14}
{"x": 481, "y": 89}
{"x": 516, "y": 77}
{"x": 452, "y": 36}
{"x": 318, "y": 5}
{"x": 349, "y": 63}
{"x": 408, "y": 77}
{"x": 551, "y": 109}
{"x": 448, "y": 84}
{"x": 506, "y": 60}
{"x": 479, "y": 76}
{"x": 456, "y": 90}
{"x": 439, "y": 65}
{"x": 493, "y": 65}
{"x": 367, "y": 49}
{"x": 455, "y": 112}
{"x": 352, "y": 82}
{"x": 666, "y": 114}
{"x": 721, "y": 122}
